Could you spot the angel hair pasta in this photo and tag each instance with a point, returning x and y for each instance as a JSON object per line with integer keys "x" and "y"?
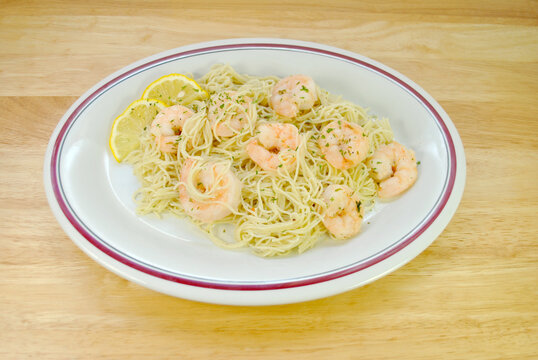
{"x": 281, "y": 162}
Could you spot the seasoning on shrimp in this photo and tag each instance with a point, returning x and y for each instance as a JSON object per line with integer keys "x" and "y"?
{"x": 230, "y": 112}
{"x": 343, "y": 144}
{"x": 293, "y": 94}
{"x": 342, "y": 217}
{"x": 395, "y": 169}
{"x": 167, "y": 126}
{"x": 275, "y": 146}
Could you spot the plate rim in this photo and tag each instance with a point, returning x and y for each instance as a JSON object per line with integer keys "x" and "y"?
{"x": 456, "y": 168}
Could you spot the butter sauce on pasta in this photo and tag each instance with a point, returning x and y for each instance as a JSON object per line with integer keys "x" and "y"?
{"x": 279, "y": 211}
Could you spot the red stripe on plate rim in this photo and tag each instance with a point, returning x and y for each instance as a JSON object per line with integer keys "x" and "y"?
{"x": 261, "y": 286}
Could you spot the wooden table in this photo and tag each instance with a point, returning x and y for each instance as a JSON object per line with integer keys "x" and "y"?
{"x": 470, "y": 295}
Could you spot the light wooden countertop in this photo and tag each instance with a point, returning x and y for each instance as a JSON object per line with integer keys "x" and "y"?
{"x": 471, "y": 295}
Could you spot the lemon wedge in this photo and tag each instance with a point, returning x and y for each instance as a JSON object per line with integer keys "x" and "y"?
{"x": 175, "y": 89}
{"x": 126, "y": 129}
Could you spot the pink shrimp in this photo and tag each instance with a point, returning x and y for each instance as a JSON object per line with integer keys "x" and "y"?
{"x": 275, "y": 146}
{"x": 230, "y": 112}
{"x": 343, "y": 144}
{"x": 167, "y": 126}
{"x": 394, "y": 167}
{"x": 342, "y": 217}
{"x": 293, "y": 94}
{"x": 208, "y": 191}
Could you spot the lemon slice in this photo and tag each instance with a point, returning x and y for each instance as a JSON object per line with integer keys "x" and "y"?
{"x": 127, "y": 127}
{"x": 175, "y": 89}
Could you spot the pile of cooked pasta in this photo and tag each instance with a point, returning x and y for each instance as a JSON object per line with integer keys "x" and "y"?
{"x": 280, "y": 210}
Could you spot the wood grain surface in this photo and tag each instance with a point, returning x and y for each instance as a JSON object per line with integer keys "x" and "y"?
{"x": 471, "y": 295}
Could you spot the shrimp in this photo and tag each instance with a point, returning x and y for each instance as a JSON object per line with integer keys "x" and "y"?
{"x": 343, "y": 144}
{"x": 167, "y": 126}
{"x": 395, "y": 169}
{"x": 293, "y": 94}
{"x": 342, "y": 217}
{"x": 229, "y": 113}
{"x": 208, "y": 191}
{"x": 275, "y": 146}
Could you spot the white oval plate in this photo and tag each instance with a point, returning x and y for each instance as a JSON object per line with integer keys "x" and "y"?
{"x": 91, "y": 194}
